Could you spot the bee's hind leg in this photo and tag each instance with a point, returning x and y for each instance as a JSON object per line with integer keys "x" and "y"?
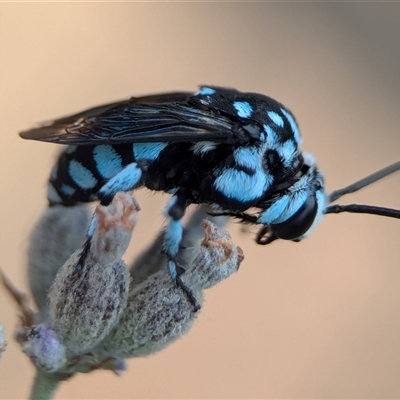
{"x": 125, "y": 180}
{"x": 175, "y": 211}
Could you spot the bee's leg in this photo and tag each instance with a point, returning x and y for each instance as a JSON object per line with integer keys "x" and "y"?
{"x": 175, "y": 210}
{"x": 125, "y": 180}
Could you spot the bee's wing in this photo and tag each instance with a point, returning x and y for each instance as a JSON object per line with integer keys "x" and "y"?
{"x": 158, "y": 118}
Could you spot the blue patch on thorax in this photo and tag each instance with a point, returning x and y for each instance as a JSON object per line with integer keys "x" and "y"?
{"x": 243, "y": 108}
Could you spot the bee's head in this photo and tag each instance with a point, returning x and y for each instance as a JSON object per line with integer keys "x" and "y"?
{"x": 292, "y": 213}
{"x": 295, "y": 210}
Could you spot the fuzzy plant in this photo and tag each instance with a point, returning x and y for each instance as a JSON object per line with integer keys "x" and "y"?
{"x": 96, "y": 313}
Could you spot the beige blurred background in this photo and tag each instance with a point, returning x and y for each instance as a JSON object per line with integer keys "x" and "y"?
{"x": 319, "y": 319}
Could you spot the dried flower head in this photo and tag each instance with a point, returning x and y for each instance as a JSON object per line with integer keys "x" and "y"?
{"x": 96, "y": 316}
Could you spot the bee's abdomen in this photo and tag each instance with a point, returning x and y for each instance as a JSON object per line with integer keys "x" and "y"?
{"x": 81, "y": 171}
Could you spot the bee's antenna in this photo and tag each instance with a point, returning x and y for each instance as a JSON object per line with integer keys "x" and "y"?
{"x": 361, "y": 208}
{"x": 376, "y": 176}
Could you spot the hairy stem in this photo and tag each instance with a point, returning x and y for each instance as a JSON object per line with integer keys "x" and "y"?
{"x": 44, "y": 385}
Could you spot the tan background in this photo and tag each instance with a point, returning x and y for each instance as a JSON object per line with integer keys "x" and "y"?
{"x": 316, "y": 319}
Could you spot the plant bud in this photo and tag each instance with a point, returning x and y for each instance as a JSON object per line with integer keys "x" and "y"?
{"x": 59, "y": 232}
{"x": 90, "y": 292}
{"x": 152, "y": 259}
{"x": 42, "y": 346}
{"x": 217, "y": 258}
{"x": 158, "y": 311}
{"x": 114, "y": 228}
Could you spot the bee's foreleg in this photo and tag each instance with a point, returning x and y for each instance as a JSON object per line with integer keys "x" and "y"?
{"x": 175, "y": 210}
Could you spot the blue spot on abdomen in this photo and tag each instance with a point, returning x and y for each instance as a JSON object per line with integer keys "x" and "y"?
{"x": 108, "y": 161}
{"x": 81, "y": 175}
{"x": 148, "y": 151}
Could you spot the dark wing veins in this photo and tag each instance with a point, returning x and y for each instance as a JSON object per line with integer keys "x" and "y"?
{"x": 158, "y": 118}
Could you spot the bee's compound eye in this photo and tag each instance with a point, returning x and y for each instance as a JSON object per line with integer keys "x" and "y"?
{"x": 299, "y": 223}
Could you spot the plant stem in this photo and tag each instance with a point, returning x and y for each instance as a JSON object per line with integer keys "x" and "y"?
{"x": 44, "y": 386}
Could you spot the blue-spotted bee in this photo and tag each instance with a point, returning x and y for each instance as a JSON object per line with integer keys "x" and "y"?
{"x": 231, "y": 150}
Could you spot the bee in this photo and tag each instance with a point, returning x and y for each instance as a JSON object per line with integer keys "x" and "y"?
{"x": 231, "y": 150}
